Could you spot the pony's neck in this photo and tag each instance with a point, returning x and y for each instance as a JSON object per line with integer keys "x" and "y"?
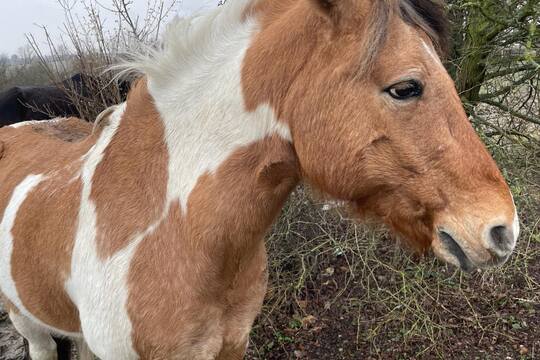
{"x": 203, "y": 111}
{"x": 228, "y": 174}
{"x": 221, "y": 167}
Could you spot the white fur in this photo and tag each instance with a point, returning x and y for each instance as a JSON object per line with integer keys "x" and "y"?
{"x": 99, "y": 288}
{"x": 202, "y": 106}
{"x": 196, "y": 85}
{"x": 488, "y": 241}
{"x": 38, "y": 122}
{"x": 432, "y": 54}
{"x": 201, "y": 103}
{"x": 187, "y": 39}
{"x": 105, "y": 113}
{"x": 7, "y": 284}
{"x": 515, "y": 227}
{"x": 515, "y": 223}
{"x": 41, "y": 345}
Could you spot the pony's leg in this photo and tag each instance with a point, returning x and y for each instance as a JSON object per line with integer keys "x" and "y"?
{"x": 233, "y": 352}
{"x": 40, "y": 343}
{"x": 83, "y": 350}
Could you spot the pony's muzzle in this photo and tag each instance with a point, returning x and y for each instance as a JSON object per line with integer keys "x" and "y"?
{"x": 496, "y": 245}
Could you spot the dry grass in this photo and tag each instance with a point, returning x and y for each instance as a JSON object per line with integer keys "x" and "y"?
{"x": 96, "y": 48}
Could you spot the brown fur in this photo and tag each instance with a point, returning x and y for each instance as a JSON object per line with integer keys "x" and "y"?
{"x": 40, "y": 273}
{"x": 68, "y": 130}
{"x": 136, "y": 150}
{"x": 383, "y": 167}
{"x": 210, "y": 284}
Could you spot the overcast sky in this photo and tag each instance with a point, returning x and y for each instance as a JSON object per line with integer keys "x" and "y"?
{"x": 18, "y": 17}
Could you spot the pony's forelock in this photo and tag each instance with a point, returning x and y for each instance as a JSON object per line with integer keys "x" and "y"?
{"x": 427, "y": 15}
{"x": 430, "y": 16}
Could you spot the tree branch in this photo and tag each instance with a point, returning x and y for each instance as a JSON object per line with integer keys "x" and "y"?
{"x": 514, "y": 113}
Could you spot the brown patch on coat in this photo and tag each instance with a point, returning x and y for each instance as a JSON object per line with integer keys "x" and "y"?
{"x": 43, "y": 232}
{"x": 40, "y": 273}
{"x": 29, "y": 152}
{"x": 198, "y": 281}
{"x": 137, "y": 160}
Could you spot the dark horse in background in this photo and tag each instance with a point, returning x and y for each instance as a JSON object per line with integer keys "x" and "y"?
{"x": 23, "y": 103}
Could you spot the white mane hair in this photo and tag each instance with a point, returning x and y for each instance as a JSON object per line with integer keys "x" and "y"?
{"x": 186, "y": 41}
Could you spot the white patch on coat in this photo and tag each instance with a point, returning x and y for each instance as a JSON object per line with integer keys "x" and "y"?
{"x": 202, "y": 106}
{"x": 41, "y": 345}
{"x": 195, "y": 80}
{"x": 200, "y": 101}
{"x": 515, "y": 223}
{"x": 432, "y": 53}
{"x": 99, "y": 288}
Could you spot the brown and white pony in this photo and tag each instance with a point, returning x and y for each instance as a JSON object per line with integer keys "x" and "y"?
{"x": 145, "y": 238}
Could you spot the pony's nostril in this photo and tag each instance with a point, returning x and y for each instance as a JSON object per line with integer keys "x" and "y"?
{"x": 502, "y": 237}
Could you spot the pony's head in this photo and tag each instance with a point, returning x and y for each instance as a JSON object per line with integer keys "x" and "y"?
{"x": 376, "y": 120}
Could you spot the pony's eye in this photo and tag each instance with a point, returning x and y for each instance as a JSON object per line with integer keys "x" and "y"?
{"x": 405, "y": 90}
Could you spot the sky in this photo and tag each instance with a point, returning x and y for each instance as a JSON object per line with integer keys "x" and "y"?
{"x": 18, "y": 17}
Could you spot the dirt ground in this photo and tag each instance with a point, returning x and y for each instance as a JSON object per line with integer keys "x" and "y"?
{"x": 328, "y": 323}
{"x": 11, "y": 344}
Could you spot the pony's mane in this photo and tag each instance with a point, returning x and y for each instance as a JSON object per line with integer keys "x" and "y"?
{"x": 188, "y": 39}
{"x": 184, "y": 40}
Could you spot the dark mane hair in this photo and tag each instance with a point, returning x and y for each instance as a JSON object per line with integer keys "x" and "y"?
{"x": 427, "y": 15}
{"x": 431, "y": 17}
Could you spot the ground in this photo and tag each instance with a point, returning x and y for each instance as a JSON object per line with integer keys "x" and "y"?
{"x": 11, "y": 344}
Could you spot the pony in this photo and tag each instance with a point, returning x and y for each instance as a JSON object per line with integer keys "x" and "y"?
{"x": 23, "y": 103}
{"x": 32, "y": 103}
{"x": 145, "y": 239}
